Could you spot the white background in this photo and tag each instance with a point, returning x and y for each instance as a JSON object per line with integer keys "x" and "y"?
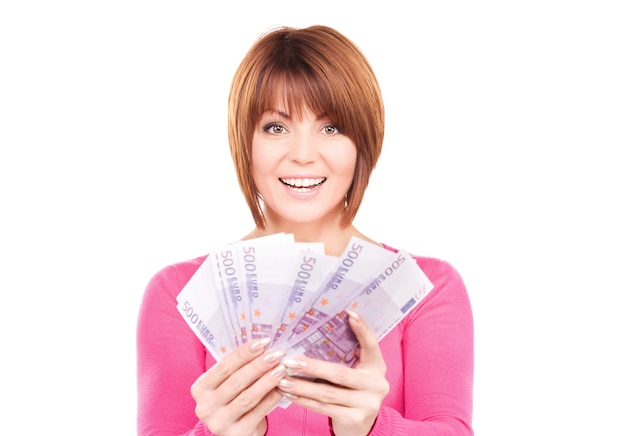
{"x": 503, "y": 155}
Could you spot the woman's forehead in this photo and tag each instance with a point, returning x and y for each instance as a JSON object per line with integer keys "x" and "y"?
{"x": 294, "y": 96}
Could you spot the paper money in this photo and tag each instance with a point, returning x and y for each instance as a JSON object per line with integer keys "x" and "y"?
{"x": 227, "y": 283}
{"x": 299, "y": 296}
{"x": 199, "y": 305}
{"x": 274, "y": 265}
{"x": 353, "y": 270}
{"x": 398, "y": 287}
{"x": 235, "y": 281}
{"x": 307, "y": 277}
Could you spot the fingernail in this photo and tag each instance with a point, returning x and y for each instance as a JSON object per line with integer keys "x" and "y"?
{"x": 284, "y": 383}
{"x": 293, "y": 363}
{"x": 293, "y": 373}
{"x": 259, "y": 344}
{"x": 279, "y": 371}
{"x": 273, "y": 357}
{"x": 289, "y": 396}
{"x": 353, "y": 315}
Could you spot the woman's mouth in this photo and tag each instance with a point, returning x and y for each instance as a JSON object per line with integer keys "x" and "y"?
{"x": 303, "y": 185}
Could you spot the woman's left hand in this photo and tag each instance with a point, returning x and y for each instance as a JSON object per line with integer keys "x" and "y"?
{"x": 352, "y": 396}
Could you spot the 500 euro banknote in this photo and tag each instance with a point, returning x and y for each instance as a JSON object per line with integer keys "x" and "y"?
{"x": 396, "y": 289}
{"x": 352, "y": 271}
{"x": 200, "y": 307}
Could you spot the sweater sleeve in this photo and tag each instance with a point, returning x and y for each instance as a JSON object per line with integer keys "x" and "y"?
{"x": 169, "y": 359}
{"x": 438, "y": 361}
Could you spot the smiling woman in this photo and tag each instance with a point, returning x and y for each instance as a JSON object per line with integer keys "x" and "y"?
{"x": 306, "y": 125}
{"x": 302, "y": 168}
{"x": 318, "y": 70}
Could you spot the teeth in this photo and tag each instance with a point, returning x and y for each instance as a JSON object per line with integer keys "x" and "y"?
{"x": 303, "y": 183}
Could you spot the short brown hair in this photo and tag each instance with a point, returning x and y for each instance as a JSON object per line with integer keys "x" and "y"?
{"x": 315, "y": 67}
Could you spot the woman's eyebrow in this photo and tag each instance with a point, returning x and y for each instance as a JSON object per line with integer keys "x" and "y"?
{"x": 282, "y": 114}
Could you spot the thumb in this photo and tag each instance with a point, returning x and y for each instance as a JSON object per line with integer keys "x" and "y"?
{"x": 370, "y": 354}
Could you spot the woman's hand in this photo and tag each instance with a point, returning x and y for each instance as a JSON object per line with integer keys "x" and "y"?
{"x": 352, "y": 396}
{"x": 235, "y": 395}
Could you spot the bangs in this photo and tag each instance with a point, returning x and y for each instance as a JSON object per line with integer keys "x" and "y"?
{"x": 295, "y": 90}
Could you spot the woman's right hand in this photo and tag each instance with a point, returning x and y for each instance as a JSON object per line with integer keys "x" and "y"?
{"x": 234, "y": 395}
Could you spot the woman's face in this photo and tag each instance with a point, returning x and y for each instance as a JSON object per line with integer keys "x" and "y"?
{"x": 302, "y": 167}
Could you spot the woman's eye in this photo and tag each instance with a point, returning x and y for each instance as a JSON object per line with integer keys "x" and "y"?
{"x": 274, "y": 128}
{"x": 331, "y": 129}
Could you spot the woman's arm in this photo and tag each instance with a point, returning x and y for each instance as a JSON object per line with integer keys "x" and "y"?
{"x": 178, "y": 381}
{"x": 438, "y": 361}
{"x": 169, "y": 358}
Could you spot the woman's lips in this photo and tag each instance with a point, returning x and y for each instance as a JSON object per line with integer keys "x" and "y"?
{"x": 303, "y": 184}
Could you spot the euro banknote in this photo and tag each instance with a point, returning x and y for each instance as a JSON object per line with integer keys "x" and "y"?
{"x": 398, "y": 287}
{"x": 299, "y": 296}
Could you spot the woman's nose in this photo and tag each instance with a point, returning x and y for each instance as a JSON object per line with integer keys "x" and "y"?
{"x": 303, "y": 149}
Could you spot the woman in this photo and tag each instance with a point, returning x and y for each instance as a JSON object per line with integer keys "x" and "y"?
{"x": 306, "y": 124}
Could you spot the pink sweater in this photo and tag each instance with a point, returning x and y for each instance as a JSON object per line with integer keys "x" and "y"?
{"x": 429, "y": 358}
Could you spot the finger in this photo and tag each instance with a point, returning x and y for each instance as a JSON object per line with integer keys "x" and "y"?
{"x": 256, "y": 401}
{"x": 317, "y": 371}
{"x": 253, "y": 418}
{"x": 236, "y": 424}
{"x": 318, "y": 404}
{"x": 232, "y": 362}
{"x": 263, "y": 408}
{"x": 242, "y": 392}
{"x": 369, "y": 353}
{"x": 253, "y": 380}
{"x": 302, "y": 390}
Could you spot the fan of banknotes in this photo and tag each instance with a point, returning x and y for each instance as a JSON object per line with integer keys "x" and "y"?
{"x": 296, "y": 295}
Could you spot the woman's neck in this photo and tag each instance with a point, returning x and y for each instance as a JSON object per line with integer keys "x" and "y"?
{"x": 335, "y": 238}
